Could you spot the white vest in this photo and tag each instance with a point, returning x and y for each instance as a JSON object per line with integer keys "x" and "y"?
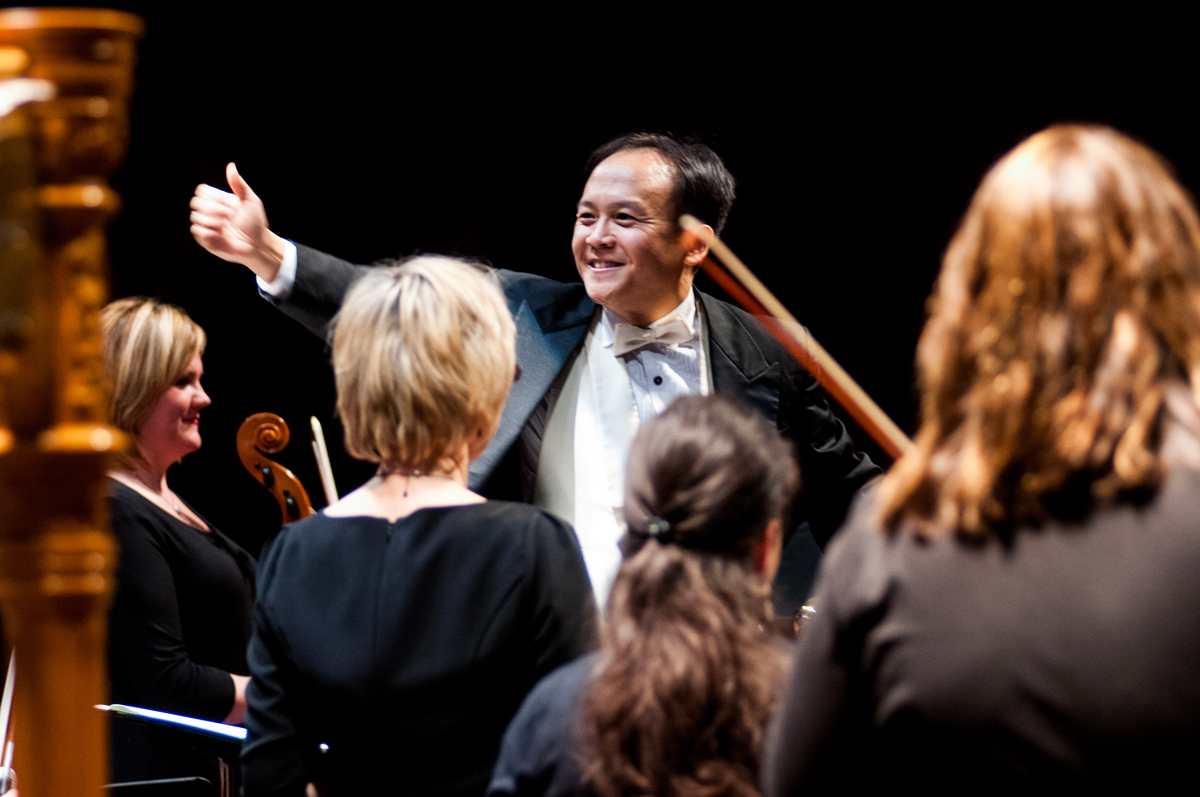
{"x": 581, "y": 466}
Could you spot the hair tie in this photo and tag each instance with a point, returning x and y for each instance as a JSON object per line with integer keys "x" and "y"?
{"x": 659, "y": 529}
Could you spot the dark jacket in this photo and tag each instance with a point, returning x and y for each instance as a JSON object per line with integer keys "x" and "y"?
{"x": 552, "y": 319}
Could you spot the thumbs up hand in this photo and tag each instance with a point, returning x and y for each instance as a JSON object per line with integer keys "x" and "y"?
{"x": 233, "y": 226}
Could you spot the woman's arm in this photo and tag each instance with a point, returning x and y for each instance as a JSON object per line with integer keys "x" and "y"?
{"x": 240, "y": 682}
{"x": 149, "y": 662}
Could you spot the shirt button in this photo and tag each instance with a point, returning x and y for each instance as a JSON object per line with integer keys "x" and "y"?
{"x": 658, "y": 380}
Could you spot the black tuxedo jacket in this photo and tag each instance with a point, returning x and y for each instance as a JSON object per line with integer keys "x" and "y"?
{"x": 552, "y": 319}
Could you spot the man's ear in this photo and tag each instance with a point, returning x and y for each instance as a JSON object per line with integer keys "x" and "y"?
{"x": 694, "y": 247}
{"x": 769, "y": 550}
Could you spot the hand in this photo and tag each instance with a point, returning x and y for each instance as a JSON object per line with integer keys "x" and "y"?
{"x": 234, "y": 226}
{"x": 238, "y": 712}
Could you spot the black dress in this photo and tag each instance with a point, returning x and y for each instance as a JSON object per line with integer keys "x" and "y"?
{"x": 180, "y": 622}
{"x": 389, "y": 657}
{"x": 1067, "y": 657}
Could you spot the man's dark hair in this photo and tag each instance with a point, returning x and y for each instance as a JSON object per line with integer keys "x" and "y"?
{"x": 703, "y": 186}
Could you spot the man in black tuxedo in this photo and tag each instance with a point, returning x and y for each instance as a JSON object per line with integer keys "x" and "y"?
{"x": 598, "y": 358}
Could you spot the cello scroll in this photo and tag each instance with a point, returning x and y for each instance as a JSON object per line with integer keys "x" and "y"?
{"x": 266, "y": 433}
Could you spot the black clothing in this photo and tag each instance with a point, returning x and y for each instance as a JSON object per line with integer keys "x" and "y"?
{"x": 1065, "y": 657}
{"x": 179, "y": 625}
{"x": 181, "y": 616}
{"x": 539, "y": 753}
{"x": 746, "y": 364}
{"x": 405, "y": 648}
{"x": 552, "y": 319}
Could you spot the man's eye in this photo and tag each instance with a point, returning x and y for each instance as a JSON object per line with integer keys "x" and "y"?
{"x": 625, "y": 217}
{"x": 585, "y": 217}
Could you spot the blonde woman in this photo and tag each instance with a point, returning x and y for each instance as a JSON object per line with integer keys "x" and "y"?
{"x": 1017, "y": 606}
{"x": 398, "y": 631}
{"x": 181, "y": 617}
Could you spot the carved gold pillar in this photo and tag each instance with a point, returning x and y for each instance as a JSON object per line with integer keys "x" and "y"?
{"x": 57, "y": 557}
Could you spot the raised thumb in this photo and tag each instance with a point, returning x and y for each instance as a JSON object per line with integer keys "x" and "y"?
{"x": 241, "y": 189}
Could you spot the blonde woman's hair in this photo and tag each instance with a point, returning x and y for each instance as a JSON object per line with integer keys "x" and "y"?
{"x": 1068, "y": 298}
{"x": 147, "y": 347}
{"x": 423, "y": 354}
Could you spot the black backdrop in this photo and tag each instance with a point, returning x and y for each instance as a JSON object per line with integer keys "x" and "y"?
{"x": 857, "y": 137}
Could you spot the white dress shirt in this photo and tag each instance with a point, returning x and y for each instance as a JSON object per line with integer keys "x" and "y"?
{"x": 581, "y": 468}
{"x": 281, "y": 286}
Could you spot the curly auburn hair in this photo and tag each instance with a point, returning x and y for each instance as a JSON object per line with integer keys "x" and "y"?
{"x": 1068, "y": 298}
{"x": 688, "y": 671}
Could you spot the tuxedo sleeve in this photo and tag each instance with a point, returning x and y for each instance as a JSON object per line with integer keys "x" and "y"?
{"x": 750, "y": 365}
{"x": 321, "y": 283}
{"x": 832, "y": 469}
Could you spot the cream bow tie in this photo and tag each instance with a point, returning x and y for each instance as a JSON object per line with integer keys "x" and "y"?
{"x": 627, "y": 337}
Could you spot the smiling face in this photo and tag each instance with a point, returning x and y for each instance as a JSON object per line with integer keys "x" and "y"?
{"x": 173, "y": 429}
{"x": 627, "y": 246}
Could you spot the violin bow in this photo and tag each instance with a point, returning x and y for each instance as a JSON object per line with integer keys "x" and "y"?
{"x": 324, "y": 468}
{"x": 746, "y": 289}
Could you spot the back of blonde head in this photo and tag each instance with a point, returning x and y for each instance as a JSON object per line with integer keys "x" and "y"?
{"x": 423, "y": 355}
{"x": 1068, "y": 298}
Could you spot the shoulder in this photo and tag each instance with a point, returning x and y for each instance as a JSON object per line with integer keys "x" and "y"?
{"x": 505, "y": 518}
{"x": 539, "y": 291}
{"x": 475, "y": 526}
{"x": 132, "y": 514}
{"x": 535, "y": 288}
{"x": 316, "y": 523}
{"x": 533, "y": 517}
{"x": 724, "y": 316}
{"x": 537, "y": 753}
{"x": 546, "y": 537}
{"x": 315, "y": 531}
{"x": 556, "y": 695}
{"x": 731, "y": 326}
{"x": 857, "y": 565}
{"x": 124, "y": 498}
{"x": 512, "y": 526}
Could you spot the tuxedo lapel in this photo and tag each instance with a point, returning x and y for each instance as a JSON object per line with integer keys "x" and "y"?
{"x": 549, "y": 328}
{"x": 739, "y": 369}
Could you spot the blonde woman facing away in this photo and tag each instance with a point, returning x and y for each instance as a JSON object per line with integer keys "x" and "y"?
{"x": 397, "y": 632}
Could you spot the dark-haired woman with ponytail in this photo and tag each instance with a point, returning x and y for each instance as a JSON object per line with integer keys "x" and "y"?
{"x": 677, "y": 700}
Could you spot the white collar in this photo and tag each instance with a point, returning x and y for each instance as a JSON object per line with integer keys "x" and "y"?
{"x": 609, "y": 320}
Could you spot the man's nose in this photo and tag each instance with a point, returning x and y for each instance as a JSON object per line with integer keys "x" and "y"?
{"x": 601, "y": 234}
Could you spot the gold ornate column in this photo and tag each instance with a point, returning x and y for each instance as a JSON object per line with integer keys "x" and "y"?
{"x": 57, "y": 558}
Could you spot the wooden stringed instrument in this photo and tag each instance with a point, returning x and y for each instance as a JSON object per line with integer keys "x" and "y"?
{"x": 266, "y": 433}
{"x": 746, "y": 289}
